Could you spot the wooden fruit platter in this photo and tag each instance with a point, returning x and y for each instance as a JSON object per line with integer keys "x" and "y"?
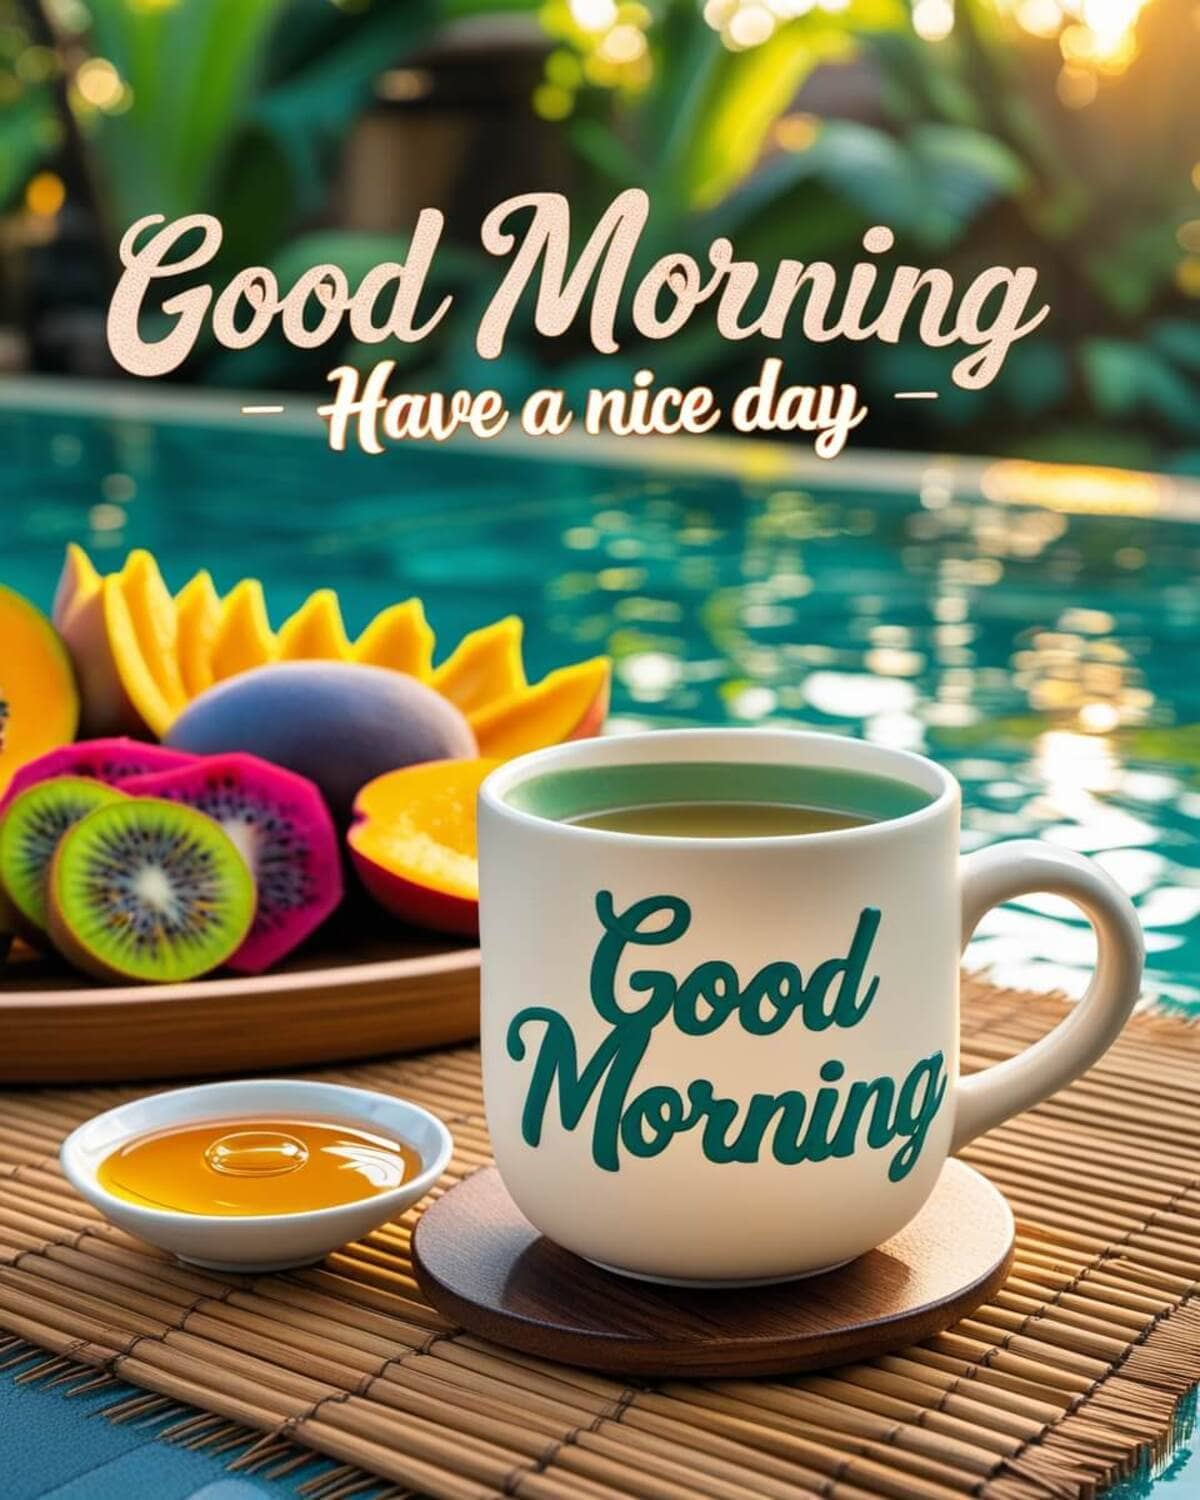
{"x": 394, "y": 995}
{"x": 325, "y": 805}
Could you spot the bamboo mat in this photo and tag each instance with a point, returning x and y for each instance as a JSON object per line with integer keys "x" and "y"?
{"x": 1070, "y": 1379}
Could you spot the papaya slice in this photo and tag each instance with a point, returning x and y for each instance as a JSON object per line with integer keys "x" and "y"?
{"x": 399, "y": 638}
{"x": 244, "y": 638}
{"x": 569, "y": 704}
{"x": 316, "y": 632}
{"x": 39, "y": 702}
{"x": 484, "y": 666}
{"x": 197, "y": 618}
{"x": 414, "y": 843}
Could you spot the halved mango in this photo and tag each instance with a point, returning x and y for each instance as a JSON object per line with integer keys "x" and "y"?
{"x": 315, "y": 632}
{"x": 399, "y": 638}
{"x": 414, "y": 843}
{"x": 139, "y": 616}
{"x": 244, "y": 638}
{"x": 39, "y": 702}
{"x": 105, "y": 708}
{"x": 569, "y": 704}
{"x": 78, "y": 584}
{"x": 484, "y": 666}
{"x": 122, "y": 635}
{"x": 197, "y": 618}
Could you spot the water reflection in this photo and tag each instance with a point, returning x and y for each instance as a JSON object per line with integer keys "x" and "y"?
{"x": 1033, "y": 652}
{"x": 1045, "y": 653}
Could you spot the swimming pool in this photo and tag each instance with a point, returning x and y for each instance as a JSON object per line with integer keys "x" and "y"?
{"x": 1044, "y": 652}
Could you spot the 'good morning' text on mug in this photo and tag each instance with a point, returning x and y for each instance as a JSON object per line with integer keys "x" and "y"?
{"x": 834, "y": 1121}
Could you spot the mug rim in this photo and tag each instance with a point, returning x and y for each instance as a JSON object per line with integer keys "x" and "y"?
{"x": 845, "y": 751}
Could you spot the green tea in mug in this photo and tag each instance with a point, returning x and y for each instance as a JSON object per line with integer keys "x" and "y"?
{"x": 707, "y": 800}
{"x": 719, "y": 820}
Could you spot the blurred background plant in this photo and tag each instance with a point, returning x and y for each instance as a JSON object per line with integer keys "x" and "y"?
{"x": 1063, "y": 134}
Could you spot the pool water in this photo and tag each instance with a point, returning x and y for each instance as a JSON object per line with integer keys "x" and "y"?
{"x": 1046, "y": 655}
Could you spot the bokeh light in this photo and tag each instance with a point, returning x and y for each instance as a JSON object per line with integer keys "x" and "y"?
{"x": 98, "y": 83}
{"x": 603, "y": 43}
{"x": 1096, "y": 38}
{"x": 796, "y": 131}
{"x": 594, "y": 15}
{"x": 933, "y": 20}
{"x": 45, "y": 194}
{"x": 744, "y": 24}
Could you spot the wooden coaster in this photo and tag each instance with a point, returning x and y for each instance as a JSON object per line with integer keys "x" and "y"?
{"x": 482, "y": 1263}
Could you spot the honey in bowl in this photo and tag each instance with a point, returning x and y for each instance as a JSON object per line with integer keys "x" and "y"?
{"x": 257, "y": 1166}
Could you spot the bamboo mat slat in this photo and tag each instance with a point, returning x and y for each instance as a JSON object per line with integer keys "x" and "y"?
{"x": 1069, "y": 1379}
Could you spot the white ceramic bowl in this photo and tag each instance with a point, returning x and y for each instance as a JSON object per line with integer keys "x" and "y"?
{"x": 259, "y": 1242}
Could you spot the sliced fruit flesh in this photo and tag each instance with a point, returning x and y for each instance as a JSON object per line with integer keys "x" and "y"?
{"x": 133, "y": 672}
{"x": 111, "y": 761}
{"x": 78, "y": 584}
{"x": 31, "y": 832}
{"x": 142, "y": 657}
{"x": 281, "y": 826}
{"x": 399, "y": 638}
{"x": 419, "y": 824}
{"x": 79, "y": 614}
{"x": 316, "y": 631}
{"x": 150, "y": 890}
{"x": 152, "y": 611}
{"x": 484, "y": 666}
{"x": 39, "y": 704}
{"x": 198, "y": 618}
{"x": 244, "y": 637}
{"x": 567, "y": 704}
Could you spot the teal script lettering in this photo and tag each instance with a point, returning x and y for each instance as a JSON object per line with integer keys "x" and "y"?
{"x": 832, "y": 1121}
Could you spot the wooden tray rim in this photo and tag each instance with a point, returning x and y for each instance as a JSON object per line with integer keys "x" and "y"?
{"x": 375, "y": 972}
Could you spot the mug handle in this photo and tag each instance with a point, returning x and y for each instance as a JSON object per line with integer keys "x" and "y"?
{"x": 990, "y": 876}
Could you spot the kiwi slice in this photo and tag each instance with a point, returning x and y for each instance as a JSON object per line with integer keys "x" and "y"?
{"x": 145, "y": 889}
{"x": 30, "y": 833}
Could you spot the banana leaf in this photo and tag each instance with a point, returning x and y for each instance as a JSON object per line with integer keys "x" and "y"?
{"x": 1126, "y": 379}
{"x": 192, "y": 70}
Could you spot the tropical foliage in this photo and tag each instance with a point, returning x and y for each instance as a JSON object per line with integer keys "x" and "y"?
{"x": 1007, "y": 131}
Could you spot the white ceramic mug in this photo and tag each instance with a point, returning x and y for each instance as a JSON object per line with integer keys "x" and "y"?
{"x": 733, "y": 1060}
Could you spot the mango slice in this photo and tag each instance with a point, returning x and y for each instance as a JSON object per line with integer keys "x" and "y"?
{"x": 142, "y": 692}
{"x": 399, "y": 638}
{"x": 316, "y": 632}
{"x": 197, "y": 619}
{"x": 141, "y": 657}
{"x": 568, "y": 704}
{"x": 414, "y": 843}
{"x": 152, "y": 655}
{"x": 121, "y": 633}
{"x": 484, "y": 666}
{"x": 244, "y": 638}
{"x": 39, "y": 703}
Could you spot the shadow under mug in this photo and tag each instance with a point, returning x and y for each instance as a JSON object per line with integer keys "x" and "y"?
{"x": 733, "y": 1060}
